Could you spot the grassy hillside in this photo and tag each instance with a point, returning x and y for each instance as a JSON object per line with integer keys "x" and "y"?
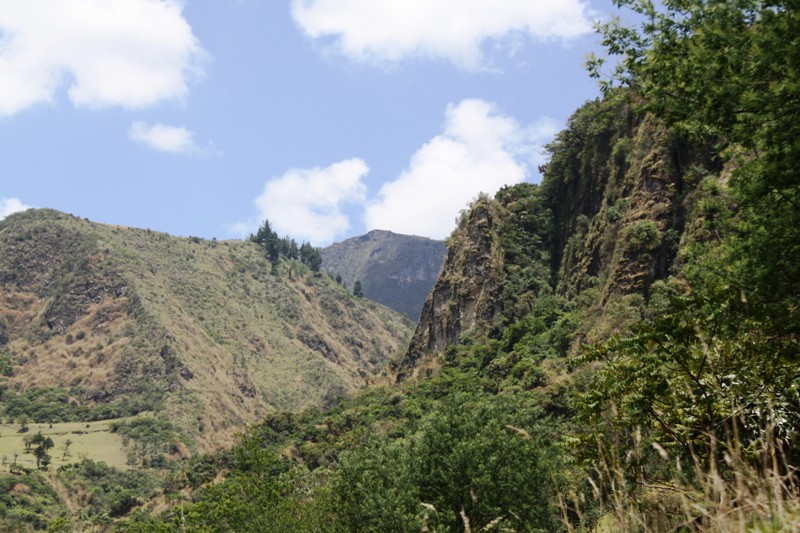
{"x": 396, "y": 270}
{"x": 103, "y": 321}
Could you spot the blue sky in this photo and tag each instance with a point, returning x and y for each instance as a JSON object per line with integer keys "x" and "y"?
{"x": 329, "y": 117}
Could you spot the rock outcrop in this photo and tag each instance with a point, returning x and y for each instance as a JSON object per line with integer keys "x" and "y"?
{"x": 611, "y": 213}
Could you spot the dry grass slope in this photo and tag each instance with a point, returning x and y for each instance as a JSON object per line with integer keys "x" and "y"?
{"x": 198, "y": 330}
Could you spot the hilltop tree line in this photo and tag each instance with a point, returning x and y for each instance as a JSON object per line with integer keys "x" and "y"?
{"x": 276, "y": 247}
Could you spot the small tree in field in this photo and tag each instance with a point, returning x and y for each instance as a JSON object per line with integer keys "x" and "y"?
{"x": 43, "y": 445}
{"x": 67, "y": 444}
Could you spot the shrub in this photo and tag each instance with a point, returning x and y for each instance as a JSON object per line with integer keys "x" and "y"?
{"x": 643, "y": 235}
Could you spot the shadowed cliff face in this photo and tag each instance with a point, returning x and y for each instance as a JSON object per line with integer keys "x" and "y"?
{"x": 609, "y": 217}
{"x": 396, "y": 270}
{"x": 468, "y": 292}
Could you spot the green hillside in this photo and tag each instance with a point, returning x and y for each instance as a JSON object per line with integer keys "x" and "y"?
{"x": 103, "y": 321}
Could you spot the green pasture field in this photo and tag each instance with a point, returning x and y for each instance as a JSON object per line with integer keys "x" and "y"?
{"x": 92, "y": 440}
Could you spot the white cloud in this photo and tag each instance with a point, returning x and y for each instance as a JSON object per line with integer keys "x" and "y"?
{"x": 307, "y": 203}
{"x": 11, "y": 205}
{"x": 455, "y": 30}
{"x": 479, "y": 151}
{"x": 171, "y": 139}
{"x": 129, "y": 53}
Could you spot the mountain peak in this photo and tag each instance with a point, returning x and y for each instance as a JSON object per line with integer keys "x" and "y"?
{"x": 395, "y": 270}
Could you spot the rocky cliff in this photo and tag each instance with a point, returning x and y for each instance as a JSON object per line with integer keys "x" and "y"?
{"x": 602, "y": 227}
{"x": 467, "y": 294}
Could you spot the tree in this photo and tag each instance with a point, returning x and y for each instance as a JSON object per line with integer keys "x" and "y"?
{"x": 41, "y": 456}
{"x": 43, "y": 445}
{"x": 470, "y": 461}
{"x": 725, "y": 73}
{"x": 310, "y": 256}
{"x": 67, "y": 444}
{"x": 264, "y": 234}
{"x": 45, "y": 461}
{"x": 717, "y": 69}
{"x": 717, "y": 365}
{"x": 358, "y": 291}
{"x": 269, "y": 241}
{"x": 289, "y": 248}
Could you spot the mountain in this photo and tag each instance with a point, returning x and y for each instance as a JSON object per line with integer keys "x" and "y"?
{"x": 100, "y": 321}
{"x": 396, "y": 270}
{"x": 604, "y": 226}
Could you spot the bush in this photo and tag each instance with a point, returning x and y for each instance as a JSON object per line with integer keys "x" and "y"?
{"x": 643, "y": 235}
{"x": 470, "y": 461}
{"x": 617, "y": 210}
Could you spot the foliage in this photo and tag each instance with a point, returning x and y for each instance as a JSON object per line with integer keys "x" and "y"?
{"x": 525, "y": 235}
{"x": 617, "y": 210}
{"x": 59, "y": 405}
{"x": 148, "y": 438}
{"x": 41, "y": 445}
{"x": 725, "y": 72}
{"x": 276, "y": 247}
{"x": 6, "y": 365}
{"x": 358, "y": 290}
{"x": 643, "y": 235}
{"x": 27, "y": 503}
{"x": 107, "y": 492}
{"x": 470, "y": 462}
{"x": 718, "y": 69}
{"x": 713, "y": 374}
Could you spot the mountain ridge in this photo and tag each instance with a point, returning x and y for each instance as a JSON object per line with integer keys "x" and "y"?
{"x": 394, "y": 269}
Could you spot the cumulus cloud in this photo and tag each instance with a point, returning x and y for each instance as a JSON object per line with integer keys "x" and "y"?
{"x": 308, "y": 203}
{"x": 455, "y": 30}
{"x": 171, "y": 139}
{"x": 11, "y": 205}
{"x": 129, "y": 53}
{"x": 480, "y": 150}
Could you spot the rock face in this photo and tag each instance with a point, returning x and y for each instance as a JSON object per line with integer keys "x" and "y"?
{"x": 202, "y": 332}
{"x": 396, "y": 270}
{"x": 468, "y": 292}
{"x": 610, "y": 214}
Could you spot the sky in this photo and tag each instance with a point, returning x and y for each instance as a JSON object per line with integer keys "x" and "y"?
{"x": 330, "y": 118}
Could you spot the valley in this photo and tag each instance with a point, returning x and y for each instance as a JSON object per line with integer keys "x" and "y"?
{"x": 615, "y": 347}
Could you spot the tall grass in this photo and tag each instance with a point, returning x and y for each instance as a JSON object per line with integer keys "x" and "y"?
{"x": 733, "y": 484}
